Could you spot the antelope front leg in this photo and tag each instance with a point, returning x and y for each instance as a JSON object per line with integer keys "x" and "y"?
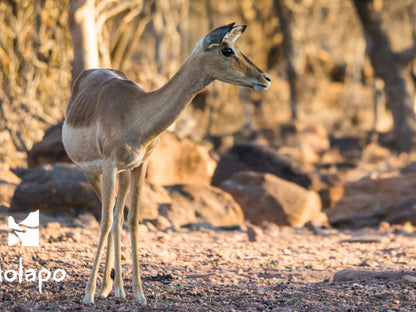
{"x": 124, "y": 182}
{"x": 137, "y": 178}
{"x": 95, "y": 181}
{"x": 108, "y": 185}
{"x": 113, "y": 245}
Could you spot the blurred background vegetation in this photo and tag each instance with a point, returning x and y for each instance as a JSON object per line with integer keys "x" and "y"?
{"x": 314, "y": 51}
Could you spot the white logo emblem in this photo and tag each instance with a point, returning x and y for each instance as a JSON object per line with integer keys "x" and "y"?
{"x": 26, "y": 231}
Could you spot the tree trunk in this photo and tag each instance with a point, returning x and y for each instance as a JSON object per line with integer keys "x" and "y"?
{"x": 389, "y": 67}
{"x": 285, "y": 17}
{"x": 81, "y": 23}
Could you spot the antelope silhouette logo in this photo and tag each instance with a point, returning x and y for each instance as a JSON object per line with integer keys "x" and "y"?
{"x": 26, "y": 232}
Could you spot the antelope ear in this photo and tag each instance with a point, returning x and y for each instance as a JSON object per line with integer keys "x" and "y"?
{"x": 216, "y": 36}
{"x": 234, "y": 33}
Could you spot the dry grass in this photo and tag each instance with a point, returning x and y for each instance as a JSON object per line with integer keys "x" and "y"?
{"x": 35, "y": 65}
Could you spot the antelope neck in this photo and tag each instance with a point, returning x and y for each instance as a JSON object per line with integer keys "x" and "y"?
{"x": 173, "y": 97}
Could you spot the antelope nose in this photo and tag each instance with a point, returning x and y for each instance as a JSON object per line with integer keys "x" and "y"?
{"x": 267, "y": 77}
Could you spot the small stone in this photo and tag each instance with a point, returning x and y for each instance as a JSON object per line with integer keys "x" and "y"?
{"x": 151, "y": 227}
{"x": 356, "y": 286}
{"x": 201, "y": 226}
{"x": 383, "y": 226}
{"x": 365, "y": 263}
{"x": 365, "y": 239}
{"x": 352, "y": 274}
{"x": 161, "y": 238}
{"x": 53, "y": 225}
{"x": 408, "y": 279}
{"x": 162, "y": 223}
{"x": 251, "y": 233}
{"x": 143, "y": 228}
{"x": 74, "y": 236}
{"x": 86, "y": 220}
{"x": 270, "y": 228}
{"x": 408, "y": 228}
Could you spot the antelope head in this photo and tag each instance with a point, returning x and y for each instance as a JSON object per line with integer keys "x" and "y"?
{"x": 222, "y": 60}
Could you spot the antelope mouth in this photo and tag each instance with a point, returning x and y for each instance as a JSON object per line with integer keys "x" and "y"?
{"x": 261, "y": 86}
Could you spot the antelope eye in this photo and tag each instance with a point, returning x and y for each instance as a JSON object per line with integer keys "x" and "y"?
{"x": 227, "y": 52}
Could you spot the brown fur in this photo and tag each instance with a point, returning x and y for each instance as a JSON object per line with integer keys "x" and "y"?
{"x": 82, "y": 106}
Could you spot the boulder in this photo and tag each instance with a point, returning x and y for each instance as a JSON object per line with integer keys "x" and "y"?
{"x": 306, "y": 142}
{"x": 267, "y": 198}
{"x": 253, "y": 157}
{"x": 8, "y": 184}
{"x": 49, "y": 150}
{"x": 152, "y": 198}
{"x": 402, "y": 212}
{"x": 54, "y": 189}
{"x": 370, "y": 201}
{"x": 179, "y": 161}
{"x": 193, "y": 204}
{"x": 410, "y": 168}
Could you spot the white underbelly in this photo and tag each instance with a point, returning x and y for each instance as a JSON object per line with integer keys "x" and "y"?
{"x": 95, "y": 166}
{"x": 82, "y": 147}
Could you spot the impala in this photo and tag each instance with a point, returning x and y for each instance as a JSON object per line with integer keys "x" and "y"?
{"x": 112, "y": 126}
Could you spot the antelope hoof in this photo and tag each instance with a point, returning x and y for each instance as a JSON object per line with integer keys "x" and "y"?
{"x": 88, "y": 298}
{"x": 104, "y": 292}
{"x": 119, "y": 294}
{"x": 140, "y": 298}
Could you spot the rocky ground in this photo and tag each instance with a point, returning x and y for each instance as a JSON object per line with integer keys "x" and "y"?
{"x": 266, "y": 268}
{"x": 321, "y": 224}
